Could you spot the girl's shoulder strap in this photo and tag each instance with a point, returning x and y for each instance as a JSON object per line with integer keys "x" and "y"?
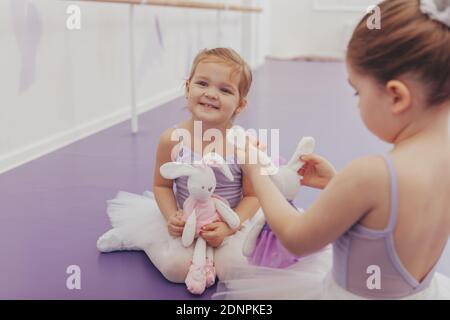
{"x": 393, "y": 191}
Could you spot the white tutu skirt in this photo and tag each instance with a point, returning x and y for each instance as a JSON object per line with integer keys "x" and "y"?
{"x": 137, "y": 223}
{"x": 308, "y": 279}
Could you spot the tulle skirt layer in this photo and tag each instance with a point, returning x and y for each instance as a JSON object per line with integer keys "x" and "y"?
{"x": 310, "y": 278}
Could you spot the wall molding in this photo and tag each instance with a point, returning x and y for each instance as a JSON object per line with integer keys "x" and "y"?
{"x": 44, "y": 146}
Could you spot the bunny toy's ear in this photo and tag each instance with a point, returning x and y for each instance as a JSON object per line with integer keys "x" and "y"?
{"x": 172, "y": 170}
{"x": 214, "y": 160}
{"x": 238, "y": 137}
{"x": 305, "y": 146}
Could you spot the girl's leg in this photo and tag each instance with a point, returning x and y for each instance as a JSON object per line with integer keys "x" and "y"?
{"x": 171, "y": 259}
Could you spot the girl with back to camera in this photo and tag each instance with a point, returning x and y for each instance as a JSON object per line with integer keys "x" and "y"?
{"x": 387, "y": 216}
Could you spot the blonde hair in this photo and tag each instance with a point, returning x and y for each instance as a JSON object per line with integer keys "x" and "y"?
{"x": 408, "y": 42}
{"x": 230, "y": 57}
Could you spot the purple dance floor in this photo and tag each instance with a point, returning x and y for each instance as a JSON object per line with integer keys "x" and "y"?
{"x": 52, "y": 210}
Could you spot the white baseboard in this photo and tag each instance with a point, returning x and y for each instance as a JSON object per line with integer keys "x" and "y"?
{"x": 44, "y": 146}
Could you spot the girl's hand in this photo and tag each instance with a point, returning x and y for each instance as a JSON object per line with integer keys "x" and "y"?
{"x": 248, "y": 158}
{"x": 175, "y": 224}
{"x": 215, "y": 232}
{"x": 316, "y": 171}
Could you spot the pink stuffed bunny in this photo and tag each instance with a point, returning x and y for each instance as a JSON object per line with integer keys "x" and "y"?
{"x": 201, "y": 208}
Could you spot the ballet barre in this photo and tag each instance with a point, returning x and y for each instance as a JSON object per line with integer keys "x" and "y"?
{"x": 185, "y": 4}
{"x": 165, "y": 3}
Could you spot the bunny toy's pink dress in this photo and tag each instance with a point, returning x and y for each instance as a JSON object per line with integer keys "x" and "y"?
{"x": 205, "y": 211}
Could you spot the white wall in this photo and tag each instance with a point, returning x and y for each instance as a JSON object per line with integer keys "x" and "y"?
{"x": 314, "y": 27}
{"x": 59, "y": 85}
